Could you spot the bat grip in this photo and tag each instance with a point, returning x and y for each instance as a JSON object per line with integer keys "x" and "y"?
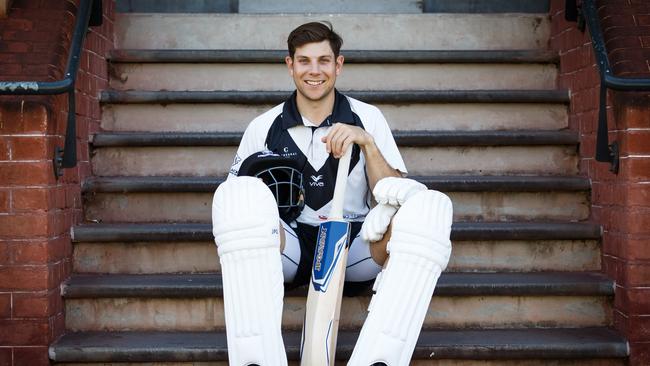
{"x": 336, "y": 212}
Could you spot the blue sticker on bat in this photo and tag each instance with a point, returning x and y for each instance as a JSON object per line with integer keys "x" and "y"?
{"x": 333, "y": 238}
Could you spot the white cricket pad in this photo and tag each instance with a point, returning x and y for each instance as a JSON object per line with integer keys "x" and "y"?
{"x": 245, "y": 223}
{"x": 419, "y": 251}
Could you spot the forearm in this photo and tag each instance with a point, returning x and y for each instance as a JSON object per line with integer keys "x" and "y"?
{"x": 376, "y": 166}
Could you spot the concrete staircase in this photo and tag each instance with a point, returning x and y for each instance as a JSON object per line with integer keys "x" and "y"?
{"x": 476, "y": 111}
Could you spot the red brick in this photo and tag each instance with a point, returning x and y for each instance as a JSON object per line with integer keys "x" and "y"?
{"x": 633, "y": 301}
{"x": 24, "y": 225}
{"x": 36, "y": 356}
{"x": 30, "y": 199}
{"x": 635, "y": 327}
{"x": 32, "y": 173}
{"x": 58, "y": 326}
{"x": 28, "y": 117}
{"x": 26, "y": 252}
{"x": 5, "y": 306}
{"x": 4, "y": 201}
{"x": 41, "y": 305}
{"x": 638, "y": 194}
{"x": 632, "y": 115}
{"x": 24, "y": 277}
{"x": 635, "y": 169}
{"x": 24, "y": 332}
{"x": 636, "y": 142}
{"x": 4, "y": 149}
{"x": 645, "y": 41}
{"x": 616, "y": 20}
{"x": 639, "y": 354}
{"x": 617, "y": 43}
{"x": 642, "y": 20}
{"x": 6, "y": 356}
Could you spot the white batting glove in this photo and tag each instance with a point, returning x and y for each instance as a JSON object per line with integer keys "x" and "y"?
{"x": 395, "y": 191}
{"x": 376, "y": 223}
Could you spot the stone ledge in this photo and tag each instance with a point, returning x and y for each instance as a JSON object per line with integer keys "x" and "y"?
{"x": 464, "y": 344}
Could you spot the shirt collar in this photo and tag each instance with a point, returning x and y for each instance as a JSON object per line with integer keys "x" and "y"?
{"x": 342, "y": 112}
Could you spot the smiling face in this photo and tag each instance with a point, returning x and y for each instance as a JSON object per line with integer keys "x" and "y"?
{"x": 314, "y": 69}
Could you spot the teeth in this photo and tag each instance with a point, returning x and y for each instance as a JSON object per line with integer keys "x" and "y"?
{"x": 314, "y": 83}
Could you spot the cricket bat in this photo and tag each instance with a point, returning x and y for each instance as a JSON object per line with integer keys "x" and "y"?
{"x": 321, "y": 323}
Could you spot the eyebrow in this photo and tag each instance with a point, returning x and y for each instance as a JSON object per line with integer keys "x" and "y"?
{"x": 319, "y": 57}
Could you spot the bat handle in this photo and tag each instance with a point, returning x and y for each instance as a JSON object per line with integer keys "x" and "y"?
{"x": 336, "y": 212}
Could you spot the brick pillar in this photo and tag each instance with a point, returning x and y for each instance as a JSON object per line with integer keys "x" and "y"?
{"x": 620, "y": 203}
{"x": 36, "y": 210}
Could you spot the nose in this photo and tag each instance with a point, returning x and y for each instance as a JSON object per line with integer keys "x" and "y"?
{"x": 314, "y": 68}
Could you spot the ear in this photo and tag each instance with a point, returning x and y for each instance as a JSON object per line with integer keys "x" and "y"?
{"x": 339, "y": 64}
{"x": 289, "y": 61}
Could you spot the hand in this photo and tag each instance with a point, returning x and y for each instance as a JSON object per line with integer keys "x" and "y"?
{"x": 376, "y": 223}
{"x": 342, "y": 135}
{"x": 395, "y": 191}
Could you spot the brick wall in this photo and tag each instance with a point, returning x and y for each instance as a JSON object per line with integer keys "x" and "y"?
{"x": 621, "y": 203}
{"x": 36, "y": 210}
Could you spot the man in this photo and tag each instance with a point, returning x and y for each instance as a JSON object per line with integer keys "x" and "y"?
{"x": 259, "y": 249}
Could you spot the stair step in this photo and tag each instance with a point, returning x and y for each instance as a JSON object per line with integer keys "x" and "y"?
{"x": 501, "y": 344}
{"x": 402, "y": 138}
{"x": 468, "y": 256}
{"x": 380, "y": 31}
{"x": 373, "y": 96}
{"x": 545, "y": 160}
{"x": 459, "y": 183}
{"x": 178, "y": 199}
{"x": 235, "y": 117}
{"x": 468, "y": 206}
{"x": 462, "y": 300}
{"x": 351, "y": 56}
{"x": 380, "y": 76}
{"x": 449, "y": 284}
{"x": 460, "y": 231}
{"x": 493, "y": 6}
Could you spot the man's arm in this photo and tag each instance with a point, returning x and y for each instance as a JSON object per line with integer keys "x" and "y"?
{"x": 341, "y": 137}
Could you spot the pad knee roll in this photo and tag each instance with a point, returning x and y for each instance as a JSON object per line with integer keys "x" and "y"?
{"x": 245, "y": 227}
{"x": 422, "y": 227}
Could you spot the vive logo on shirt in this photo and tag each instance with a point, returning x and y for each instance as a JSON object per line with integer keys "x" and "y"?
{"x": 316, "y": 181}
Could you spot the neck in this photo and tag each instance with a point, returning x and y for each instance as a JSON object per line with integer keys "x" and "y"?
{"x": 315, "y": 110}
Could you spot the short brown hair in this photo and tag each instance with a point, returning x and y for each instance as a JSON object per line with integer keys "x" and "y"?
{"x": 314, "y": 32}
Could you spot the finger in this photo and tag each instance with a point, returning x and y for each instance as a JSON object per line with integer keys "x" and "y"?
{"x": 347, "y": 142}
{"x": 338, "y": 135}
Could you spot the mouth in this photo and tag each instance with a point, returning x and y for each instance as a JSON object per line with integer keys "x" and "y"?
{"x": 314, "y": 82}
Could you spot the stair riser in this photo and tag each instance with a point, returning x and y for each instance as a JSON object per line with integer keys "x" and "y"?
{"x": 255, "y": 77}
{"x": 467, "y": 256}
{"x": 216, "y": 161}
{"x": 359, "y": 31}
{"x": 468, "y": 206}
{"x": 206, "y": 314}
{"x": 231, "y": 117}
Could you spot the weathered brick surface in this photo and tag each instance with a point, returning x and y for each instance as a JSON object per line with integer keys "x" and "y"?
{"x": 620, "y": 203}
{"x": 37, "y": 210}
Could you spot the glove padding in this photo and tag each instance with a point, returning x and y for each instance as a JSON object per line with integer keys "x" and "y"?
{"x": 376, "y": 223}
{"x": 395, "y": 191}
{"x": 390, "y": 193}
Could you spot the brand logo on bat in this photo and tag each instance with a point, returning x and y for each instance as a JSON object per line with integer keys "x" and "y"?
{"x": 332, "y": 240}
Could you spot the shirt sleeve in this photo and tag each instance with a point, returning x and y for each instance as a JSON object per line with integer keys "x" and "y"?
{"x": 251, "y": 142}
{"x": 386, "y": 142}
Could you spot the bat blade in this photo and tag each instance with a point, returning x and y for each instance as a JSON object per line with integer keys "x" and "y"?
{"x": 321, "y": 323}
